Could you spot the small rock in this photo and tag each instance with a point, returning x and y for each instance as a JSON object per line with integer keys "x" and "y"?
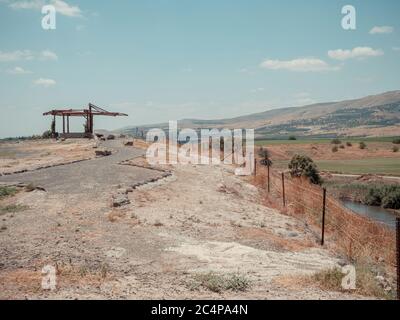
{"x": 110, "y": 137}
{"x": 120, "y": 200}
{"x": 128, "y": 143}
{"x": 103, "y": 153}
{"x": 293, "y": 234}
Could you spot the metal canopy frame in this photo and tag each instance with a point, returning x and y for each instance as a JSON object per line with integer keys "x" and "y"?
{"x": 88, "y": 114}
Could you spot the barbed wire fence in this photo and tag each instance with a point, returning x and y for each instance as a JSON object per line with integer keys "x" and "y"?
{"x": 356, "y": 236}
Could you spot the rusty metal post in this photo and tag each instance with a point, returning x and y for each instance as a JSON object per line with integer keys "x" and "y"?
{"x": 269, "y": 178}
{"x": 398, "y": 256}
{"x": 283, "y": 190}
{"x": 323, "y": 216}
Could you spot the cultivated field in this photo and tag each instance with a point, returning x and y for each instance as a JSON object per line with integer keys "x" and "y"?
{"x": 377, "y": 158}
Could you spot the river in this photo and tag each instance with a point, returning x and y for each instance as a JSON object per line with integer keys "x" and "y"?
{"x": 376, "y": 213}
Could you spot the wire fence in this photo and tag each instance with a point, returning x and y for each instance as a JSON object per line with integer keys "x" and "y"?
{"x": 355, "y": 235}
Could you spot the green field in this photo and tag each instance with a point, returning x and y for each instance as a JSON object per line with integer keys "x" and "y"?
{"x": 321, "y": 140}
{"x": 382, "y": 166}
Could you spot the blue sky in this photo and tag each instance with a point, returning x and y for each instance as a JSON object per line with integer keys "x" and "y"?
{"x": 161, "y": 60}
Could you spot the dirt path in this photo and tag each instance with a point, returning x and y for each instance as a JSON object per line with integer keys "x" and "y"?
{"x": 201, "y": 219}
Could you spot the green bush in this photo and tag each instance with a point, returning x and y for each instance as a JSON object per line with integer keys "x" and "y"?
{"x": 292, "y": 138}
{"x": 362, "y": 145}
{"x": 385, "y": 196}
{"x": 7, "y": 191}
{"x": 335, "y": 149}
{"x": 46, "y": 135}
{"x": 336, "y": 141}
{"x": 342, "y": 146}
{"x": 303, "y": 166}
{"x": 349, "y": 144}
{"x": 395, "y": 149}
{"x": 396, "y": 141}
{"x": 373, "y": 197}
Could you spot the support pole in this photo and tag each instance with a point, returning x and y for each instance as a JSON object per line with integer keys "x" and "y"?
{"x": 283, "y": 190}
{"x": 398, "y": 256}
{"x": 323, "y": 217}
{"x": 67, "y": 124}
{"x": 269, "y": 178}
{"x": 63, "y": 124}
{"x": 255, "y": 165}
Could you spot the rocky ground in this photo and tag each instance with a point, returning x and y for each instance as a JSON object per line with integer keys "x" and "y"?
{"x": 117, "y": 230}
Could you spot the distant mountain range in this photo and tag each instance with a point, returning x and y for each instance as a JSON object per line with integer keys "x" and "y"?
{"x": 377, "y": 115}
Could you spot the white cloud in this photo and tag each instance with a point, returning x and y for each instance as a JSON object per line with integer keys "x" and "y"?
{"x": 17, "y": 55}
{"x": 396, "y": 48}
{"x": 66, "y": 9}
{"x": 61, "y": 7}
{"x": 356, "y": 53}
{"x": 48, "y": 55}
{"x": 18, "y": 71}
{"x": 256, "y": 90}
{"x": 381, "y": 30}
{"x": 26, "y": 55}
{"x": 298, "y": 65}
{"x": 45, "y": 82}
{"x": 28, "y": 4}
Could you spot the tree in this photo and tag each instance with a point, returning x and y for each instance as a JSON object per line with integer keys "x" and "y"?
{"x": 303, "y": 166}
{"x": 265, "y": 157}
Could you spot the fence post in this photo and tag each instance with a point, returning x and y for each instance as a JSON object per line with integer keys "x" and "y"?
{"x": 269, "y": 188}
{"x": 255, "y": 165}
{"x": 323, "y": 216}
{"x": 283, "y": 190}
{"x": 398, "y": 256}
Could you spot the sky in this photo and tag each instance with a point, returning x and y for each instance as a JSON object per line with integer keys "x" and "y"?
{"x": 161, "y": 60}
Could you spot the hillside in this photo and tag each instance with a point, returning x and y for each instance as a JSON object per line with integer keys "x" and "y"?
{"x": 375, "y": 115}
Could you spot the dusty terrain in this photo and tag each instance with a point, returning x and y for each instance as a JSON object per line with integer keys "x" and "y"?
{"x": 189, "y": 222}
{"x": 31, "y": 155}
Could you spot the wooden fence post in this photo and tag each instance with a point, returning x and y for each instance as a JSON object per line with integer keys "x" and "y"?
{"x": 323, "y": 216}
{"x": 283, "y": 190}
{"x": 269, "y": 178}
{"x": 398, "y": 256}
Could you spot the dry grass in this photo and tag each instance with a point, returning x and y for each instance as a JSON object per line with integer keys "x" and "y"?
{"x": 355, "y": 236}
{"x": 219, "y": 283}
{"x": 13, "y": 208}
{"x": 366, "y": 282}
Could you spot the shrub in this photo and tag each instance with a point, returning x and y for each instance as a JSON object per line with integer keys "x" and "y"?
{"x": 265, "y": 157}
{"x": 218, "y": 283}
{"x": 373, "y": 197}
{"x": 342, "y": 146}
{"x": 335, "y": 149}
{"x": 395, "y": 149}
{"x": 292, "y": 138}
{"x": 349, "y": 144}
{"x": 7, "y": 191}
{"x": 362, "y": 145}
{"x": 385, "y": 196}
{"x": 303, "y": 166}
{"x": 391, "y": 200}
{"x": 396, "y": 141}
{"x": 336, "y": 141}
{"x": 46, "y": 135}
